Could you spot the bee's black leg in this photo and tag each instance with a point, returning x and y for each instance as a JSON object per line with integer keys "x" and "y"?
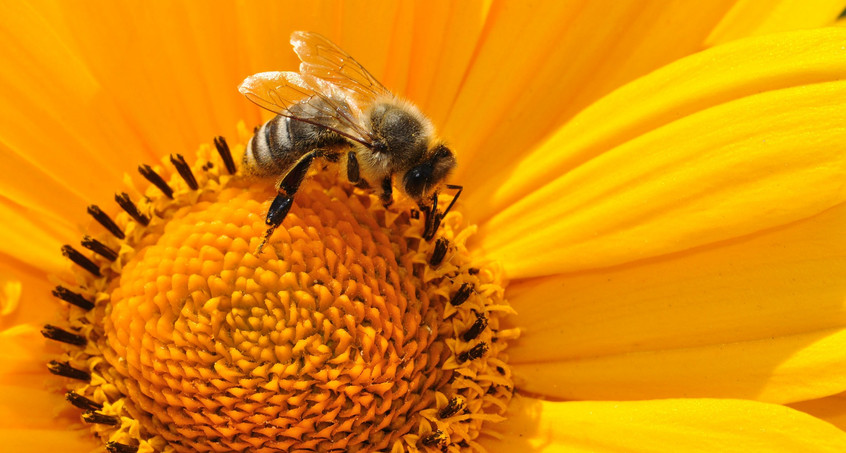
{"x": 432, "y": 219}
{"x": 353, "y": 172}
{"x": 387, "y": 195}
{"x": 285, "y": 198}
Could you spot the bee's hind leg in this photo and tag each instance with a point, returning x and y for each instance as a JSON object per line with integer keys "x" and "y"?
{"x": 288, "y": 187}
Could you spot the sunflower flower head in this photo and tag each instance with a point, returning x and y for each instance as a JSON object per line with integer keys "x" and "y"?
{"x": 347, "y": 331}
{"x": 663, "y": 192}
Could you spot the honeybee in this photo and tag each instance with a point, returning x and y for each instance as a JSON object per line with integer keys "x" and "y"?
{"x": 334, "y": 109}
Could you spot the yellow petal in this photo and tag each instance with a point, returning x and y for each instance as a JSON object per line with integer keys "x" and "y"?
{"x": 25, "y": 355}
{"x": 10, "y": 295}
{"x": 36, "y": 305}
{"x": 757, "y": 370}
{"x": 20, "y": 440}
{"x": 705, "y": 425}
{"x": 538, "y": 63}
{"x": 757, "y": 318}
{"x": 32, "y": 408}
{"x": 445, "y": 38}
{"x": 55, "y": 117}
{"x": 731, "y": 141}
{"x": 29, "y": 238}
{"x": 831, "y": 409}
{"x": 760, "y": 17}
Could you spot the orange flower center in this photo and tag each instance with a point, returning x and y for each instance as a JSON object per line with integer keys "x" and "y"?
{"x": 348, "y": 332}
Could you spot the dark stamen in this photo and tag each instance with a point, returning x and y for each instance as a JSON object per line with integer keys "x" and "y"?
{"x": 184, "y": 170}
{"x": 474, "y": 353}
{"x": 461, "y": 295}
{"x": 456, "y": 405}
{"x": 414, "y": 214}
{"x": 82, "y": 402}
{"x": 477, "y": 328}
{"x": 439, "y": 253}
{"x": 473, "y": 270}
{"x": 151, "y": 175}
{"x": 130, "y": 208}
{"x": 99, "y": 248}
{"x": 225, "y": 154}
{"x": 64, "y": 369}
{"x": 80, "y": 260}
{"x": 106, "y": 221}
{"x": 436, "y": 438}
{"x": 115, "y": 447}
{"x": 72, "y": 298}
{"x": 57, "y": 334}
{"x": 100, "y": 419}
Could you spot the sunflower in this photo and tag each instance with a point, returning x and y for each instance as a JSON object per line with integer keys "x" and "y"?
{"x": 647, "y": 254}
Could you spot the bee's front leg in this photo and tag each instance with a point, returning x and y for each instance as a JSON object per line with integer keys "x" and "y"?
{"x": 432, "y": 218}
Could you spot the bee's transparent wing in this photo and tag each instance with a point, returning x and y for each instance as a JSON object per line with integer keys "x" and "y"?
{"x": 307, "y": 99}
{"x": 324, "y": 60}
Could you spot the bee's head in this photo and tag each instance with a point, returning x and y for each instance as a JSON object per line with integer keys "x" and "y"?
{"x": 421, "y": 179}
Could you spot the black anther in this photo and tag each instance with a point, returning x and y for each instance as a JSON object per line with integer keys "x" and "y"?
{"x": 57, "y": 334}
{"x": 106, "y": 221}
{"x": 81, "y": 260}
{"x": 225, "y": 154}
{"x": 123, "y": 200}
{"x": 99, "y": 248}
{"x": 156, "y": 179}
{"x": 72, "y": 298}
{"x": 184, "y": 170}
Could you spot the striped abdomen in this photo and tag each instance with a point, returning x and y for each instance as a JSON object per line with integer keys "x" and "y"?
{"x": 280, "y": 142}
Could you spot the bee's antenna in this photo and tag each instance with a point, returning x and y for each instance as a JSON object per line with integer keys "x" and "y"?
{"x": 454, "y": 199}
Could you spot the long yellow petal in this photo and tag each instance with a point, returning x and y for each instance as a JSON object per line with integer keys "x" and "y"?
{"x": 25, "y": 355}
{"x": 731, "y": 141}
{"x": 35, "y": 304}
{"x": 758, "y": 317}
{"x": 21, "y": 439}
{"x": 53, "y": 111}
{"x": 28, "y": 238}
{"x": 539, "y": 63}
{"x": 695, "y": 425}
{"x": 831, "y": 409}
{"x": 32, "y": 408}
{"x": 760, "y": 17}
{"x": 780, "y": 370}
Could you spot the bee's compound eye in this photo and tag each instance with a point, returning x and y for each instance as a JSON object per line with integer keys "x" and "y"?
{"x": 417, "y": 179}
